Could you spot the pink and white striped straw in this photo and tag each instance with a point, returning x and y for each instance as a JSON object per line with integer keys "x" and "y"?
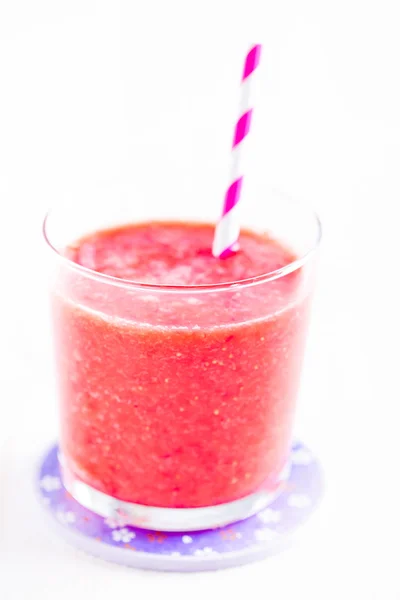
{"x": 226, "y": 236}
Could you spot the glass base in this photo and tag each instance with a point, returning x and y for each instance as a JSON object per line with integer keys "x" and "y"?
{"x": 168, "y": 519}
{"x": 269, "y": 531}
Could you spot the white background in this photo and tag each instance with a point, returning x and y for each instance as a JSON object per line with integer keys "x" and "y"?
{"x": 146, "y": 92}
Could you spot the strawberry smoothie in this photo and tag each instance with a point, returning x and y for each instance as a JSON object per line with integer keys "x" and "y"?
{"x": 177, "y": 384}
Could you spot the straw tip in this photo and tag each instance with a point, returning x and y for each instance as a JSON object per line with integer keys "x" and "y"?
{"x": 252, "y": 60}
{"x": 255, "y": 53}
{"x": 256, "y": 48}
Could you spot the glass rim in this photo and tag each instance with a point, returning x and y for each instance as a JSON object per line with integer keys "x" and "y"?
{"x": 204, "y": 287}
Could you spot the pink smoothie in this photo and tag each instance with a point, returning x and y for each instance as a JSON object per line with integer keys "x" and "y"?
{"x": 180, "y": 397}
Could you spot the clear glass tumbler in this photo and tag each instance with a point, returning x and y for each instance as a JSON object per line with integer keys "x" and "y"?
{"x": 177, "y": 402}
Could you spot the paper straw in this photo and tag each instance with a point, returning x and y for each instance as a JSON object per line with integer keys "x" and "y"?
{"x": 226, "y": 237}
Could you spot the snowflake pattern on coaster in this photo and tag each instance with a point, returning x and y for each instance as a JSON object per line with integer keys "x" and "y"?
{"x": 238, "y": 543}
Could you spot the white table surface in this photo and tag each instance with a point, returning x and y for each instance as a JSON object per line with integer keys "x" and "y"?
{"x": 94, "y": 92}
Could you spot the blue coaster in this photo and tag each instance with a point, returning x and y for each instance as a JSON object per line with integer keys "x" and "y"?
{"x": 252, "y": 539}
